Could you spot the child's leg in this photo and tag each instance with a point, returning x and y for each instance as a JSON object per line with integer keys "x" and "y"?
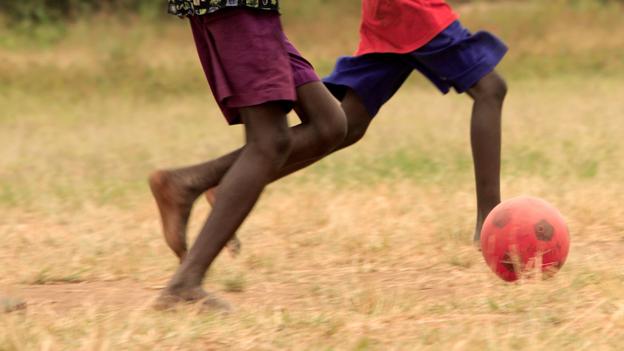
{"x": 267, "y": 148}
{"x": 459, "y": 59}
{"x": 176, "y": 190}
{"x": 485, "y": 131}
{"x": 358, "y": 120}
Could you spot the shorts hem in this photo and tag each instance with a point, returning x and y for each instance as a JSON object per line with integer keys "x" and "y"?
{"x": 468, "y": 79}
{"x": 339, "y": 90}
{"x": 305, "y": 77}
{"x": 247, "y": 100}
{"x": 233, "y": 103}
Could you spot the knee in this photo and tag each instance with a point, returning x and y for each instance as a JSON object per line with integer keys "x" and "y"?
{"x": 491, "y": 87}
{"x": 333, "y": 132}
{"x": 280, "y": 146}
{"x": 358, "y": 118}
{"x": 274, "y": 149}
{"x": 357, "y": 130}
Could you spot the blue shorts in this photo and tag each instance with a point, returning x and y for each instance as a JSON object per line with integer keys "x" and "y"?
{"x": 455, "y": 58}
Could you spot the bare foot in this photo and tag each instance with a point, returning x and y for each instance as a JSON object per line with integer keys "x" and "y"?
{"x": 8, "y": 304}
{"x": 170, "y": 298}
{"x": 233, "y": 246}
{"x": 174, "y": 204}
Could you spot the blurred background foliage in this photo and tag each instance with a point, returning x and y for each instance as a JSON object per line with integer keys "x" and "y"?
{"x": 96, "y": 65}
{"x": 43, "y": 11}
{"x": 134, "y": 47}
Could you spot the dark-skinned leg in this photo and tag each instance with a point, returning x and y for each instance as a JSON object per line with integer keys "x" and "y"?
{"x": 267, "y": 147}
{"x": 358, "y": 120}
{"x": 485, "y": 132}
{"x": 176, "y": 190}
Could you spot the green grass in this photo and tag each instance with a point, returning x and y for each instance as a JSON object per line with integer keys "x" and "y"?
{"x": 100, "y": 148}
{"x": 368, "y": 250}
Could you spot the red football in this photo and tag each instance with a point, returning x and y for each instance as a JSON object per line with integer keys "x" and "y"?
{"x": 522, "y": 232}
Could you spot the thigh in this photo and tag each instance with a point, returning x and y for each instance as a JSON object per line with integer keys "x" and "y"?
{"x": 315, "y": 104}
{"x": 355, "y": 109}
{"x": 265, "y": 123}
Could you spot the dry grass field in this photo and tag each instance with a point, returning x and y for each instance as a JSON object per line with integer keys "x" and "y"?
{"x": 368, "y": 250}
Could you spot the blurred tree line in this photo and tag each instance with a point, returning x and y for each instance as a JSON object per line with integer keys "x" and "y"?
{"x": 42, "y": 11}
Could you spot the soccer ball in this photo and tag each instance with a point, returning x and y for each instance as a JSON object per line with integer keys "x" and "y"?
{"x": 523, "y": 235}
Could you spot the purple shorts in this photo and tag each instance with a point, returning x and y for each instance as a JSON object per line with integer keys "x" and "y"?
{"x": 455, "y": 58}
{"x": 248, "y": 60}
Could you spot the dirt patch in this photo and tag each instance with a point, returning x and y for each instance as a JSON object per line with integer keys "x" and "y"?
{"x": 70, "y": 296}
{"x": 115, "y": 295}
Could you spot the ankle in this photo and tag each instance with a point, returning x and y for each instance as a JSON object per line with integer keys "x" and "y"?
{"x": 183, "y": 286}
{"x": 186, "y": 278}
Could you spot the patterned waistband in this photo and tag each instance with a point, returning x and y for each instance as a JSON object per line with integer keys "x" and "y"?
{"x": 184, "y": 8}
